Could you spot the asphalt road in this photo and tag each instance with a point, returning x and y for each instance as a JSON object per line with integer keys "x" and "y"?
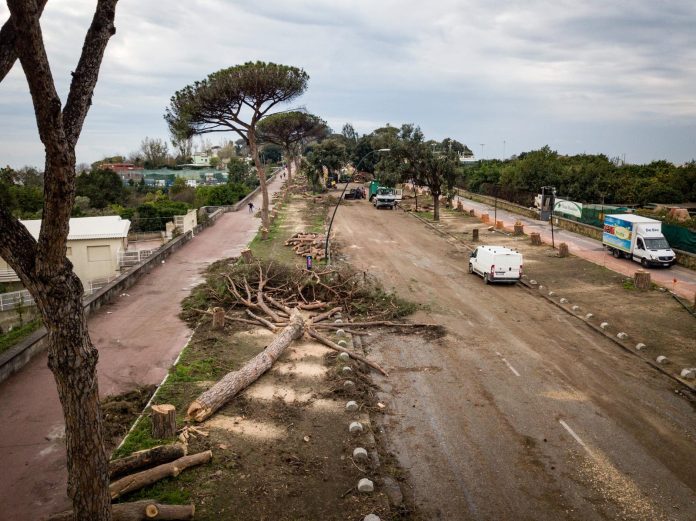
{"x": 521, "y": 412}
{"x": 138, "y": 336}
{"x": 679, "y": 279}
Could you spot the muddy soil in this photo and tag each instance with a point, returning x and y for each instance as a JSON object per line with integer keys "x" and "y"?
{"x": 521, "y": 411}
{"x": 120, "y": 411}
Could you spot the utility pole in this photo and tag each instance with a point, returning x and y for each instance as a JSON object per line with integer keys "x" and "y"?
{"x": 482, "y": 145}
{"x": 504, "y": 150}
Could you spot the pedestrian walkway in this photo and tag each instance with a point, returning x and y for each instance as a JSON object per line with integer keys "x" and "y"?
{"x": 139, "y": 336}
{"x": 678, "y": 279}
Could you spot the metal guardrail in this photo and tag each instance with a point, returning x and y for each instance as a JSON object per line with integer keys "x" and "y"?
{"x": 16, "y": 299}
{"x": 128, "y": 259}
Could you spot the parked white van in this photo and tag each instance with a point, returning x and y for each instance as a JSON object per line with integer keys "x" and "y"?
{"x": 496, "y": 264}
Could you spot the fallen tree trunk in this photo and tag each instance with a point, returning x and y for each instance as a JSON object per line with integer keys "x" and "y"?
{"x": 336, "y": 347}
{"x": 139, "y": 511}
{"x": 232, "y": 383}
{"x": 146, "y": 458}
{"x": 153, "y": 475}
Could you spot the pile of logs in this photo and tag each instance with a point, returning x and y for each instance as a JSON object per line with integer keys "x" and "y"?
{"x": 140, "y": 470}
{"x": 305, "y": 243}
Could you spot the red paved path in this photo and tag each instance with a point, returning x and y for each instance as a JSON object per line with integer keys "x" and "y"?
{"x": 138, "y": 336}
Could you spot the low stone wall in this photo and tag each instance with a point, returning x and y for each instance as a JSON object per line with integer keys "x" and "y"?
{"x": 686, "y": 259}
{"x": 581, "y": 228}
{"x": 502, "y": 203}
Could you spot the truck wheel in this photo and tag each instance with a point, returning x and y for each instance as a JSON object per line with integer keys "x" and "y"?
{"x": 616, "y": 254}
{"x": 471, "y": 268}
{"x": 644, "y": 262}
{"x": 485, "y": 278}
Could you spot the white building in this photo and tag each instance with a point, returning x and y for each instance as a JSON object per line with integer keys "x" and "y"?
{"x": 93, "y": 247}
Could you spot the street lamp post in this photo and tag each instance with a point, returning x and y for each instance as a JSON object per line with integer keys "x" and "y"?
{"x": 328, "y": 233}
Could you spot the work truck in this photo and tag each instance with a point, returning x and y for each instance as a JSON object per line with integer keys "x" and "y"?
{"x": 382, "y": 196}
{"x": 637, "y": 238}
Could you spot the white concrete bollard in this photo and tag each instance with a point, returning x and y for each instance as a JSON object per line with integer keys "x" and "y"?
{"x": 355, "y": 428}
{"x": 352, "y": 406}
{"x": 661, "y": 359}
{"x": 604, "y": 325}
{"x": 688, "y": 373}
{"x": 621, "y": 335}
{"x": 640, "y": 345}
{"x": 365, "y": 485}
{"x": 344, "y": 357}
{"x": 563, "y": 301}
{"x": 360, "y": 454}
{"x": 589, "y": 316}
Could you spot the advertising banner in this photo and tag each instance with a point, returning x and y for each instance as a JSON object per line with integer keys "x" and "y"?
{"x": 617, "y": 233}
{"x": 568, "y": 207}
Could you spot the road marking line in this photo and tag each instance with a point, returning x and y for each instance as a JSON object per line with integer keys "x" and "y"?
{"x": 508, "y": 364}
{"x": 572, "y": 433}
{"x": 511, "y": 368}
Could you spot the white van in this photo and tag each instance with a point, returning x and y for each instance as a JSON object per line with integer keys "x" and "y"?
{"x": 496, "y": 264}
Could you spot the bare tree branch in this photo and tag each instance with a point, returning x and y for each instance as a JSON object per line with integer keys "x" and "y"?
{"x": 8, "y": 53}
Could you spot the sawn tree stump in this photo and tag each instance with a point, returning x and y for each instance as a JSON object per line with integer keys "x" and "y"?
{"x": 248, "y": 256}
{"x": 484, "y": 217}
{"x": 218, "y": 318}
{"x": 563, "y": 250}
{"x": 163, "y": 421}
{"x": 536, "y": 239}
{"x": 499, "y": 225}
{"x": 641, "y": 279}
{"x": 519, "y": 228}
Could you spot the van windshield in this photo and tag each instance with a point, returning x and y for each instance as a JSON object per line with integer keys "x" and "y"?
{"x": 658, "y": 243}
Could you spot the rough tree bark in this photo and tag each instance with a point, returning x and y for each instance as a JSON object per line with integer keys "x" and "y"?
{"x": 232, "y": 383}
{"x": 146, "y": 458}
{"x": 41, "y": 265}
{"x": 141, "y": 511}
{"x": 148, "y": 477}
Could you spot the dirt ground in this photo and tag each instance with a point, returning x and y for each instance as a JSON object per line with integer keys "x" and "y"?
{"x": 653, "y": 317}
{"x": 282, "y": 449}
{"x": 521, "y": 411}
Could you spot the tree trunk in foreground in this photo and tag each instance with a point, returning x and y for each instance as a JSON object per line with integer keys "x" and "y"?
{"x": 153, "y": 475}
{"x": 232, "y": 383}
{"x": 146, "y": 458}
{"x": 141, "y": 511}
{"x": 262, "y": 179}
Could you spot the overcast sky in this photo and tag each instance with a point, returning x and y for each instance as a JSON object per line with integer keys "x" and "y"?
{"x": 501, "y": 76}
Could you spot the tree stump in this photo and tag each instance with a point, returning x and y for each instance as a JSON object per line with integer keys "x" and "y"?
{"x": 519, "y": 228}
{"x": 248, "y": 256}
{"x": 475, "y": 234}
{"x": 264, "y": 234}
{"x": 536, "y": 238}
{"x": 499, "y": 225}
{"x": 484, "y": 217}
{"x": 218, "y": 318}
{"x": 641, "y": 279}
{"x": 472, "y": 213}
{"x": 460, "y": 206}
{"x": 163, "y": 421}
{"x": 563, "y": 250}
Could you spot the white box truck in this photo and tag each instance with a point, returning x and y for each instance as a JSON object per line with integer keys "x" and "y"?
{"x": 496, "y": 264}
{"x": 637, "y": 238}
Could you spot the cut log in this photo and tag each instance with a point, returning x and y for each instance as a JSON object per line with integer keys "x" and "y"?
{"x": 148, "y": 477}
{"x": 232, "y": 383}
{"x": 641, "y": 279}
{"x": 563, "y": 250}
{"x": 146, "y": 458}
{"x": 536, "y": 238}
{"x": 139, "y": 511}
{"x": 218, "y": 318}
{"x": 164, "y": 420}
{"x": 336, "y": 347}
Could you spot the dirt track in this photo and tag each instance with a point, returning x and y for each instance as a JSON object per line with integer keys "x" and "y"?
{"x": 521, "y": 411}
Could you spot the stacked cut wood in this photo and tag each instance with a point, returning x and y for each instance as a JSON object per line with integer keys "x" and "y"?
{"x": 140, "y": 470}
{"x": 305, "y": 243}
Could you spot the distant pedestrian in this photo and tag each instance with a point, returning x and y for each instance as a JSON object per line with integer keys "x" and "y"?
{"x": 251, "y": 207}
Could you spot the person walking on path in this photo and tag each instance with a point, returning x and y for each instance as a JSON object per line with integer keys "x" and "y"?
{"x": 251, "y": 207}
